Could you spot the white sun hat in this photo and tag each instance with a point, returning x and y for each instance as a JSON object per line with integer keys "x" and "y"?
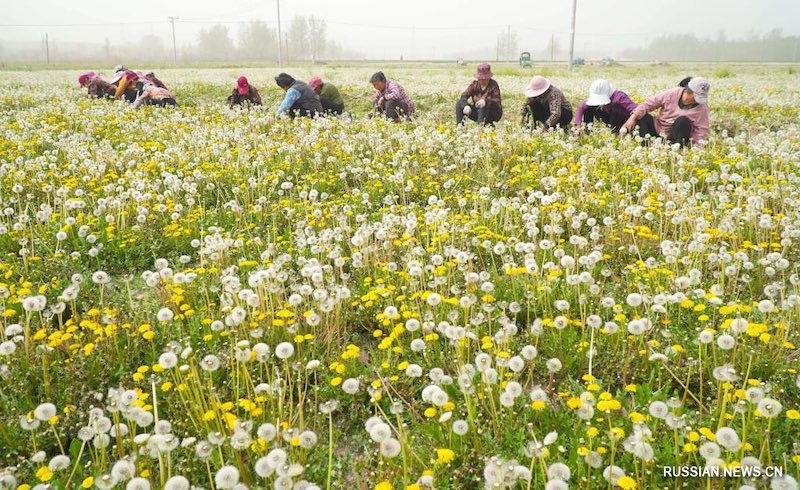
{"x": 600, "y": 93}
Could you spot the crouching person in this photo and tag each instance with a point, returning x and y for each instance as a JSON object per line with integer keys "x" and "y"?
{"x": 390, "y": 98}
{"x": 481, "y": 101}
{"x": 609, "y": 106}
{"x": 126, "y": 83}
{"x": 244, "y": 94}
{"x": 95, "y": 86}
{"x": 329, "y": 96}
{"x": 546, "y": 105}
{"x": 153, "y": 95}
{"x": 683, "y": 114}
{"x": 299, "y": 100}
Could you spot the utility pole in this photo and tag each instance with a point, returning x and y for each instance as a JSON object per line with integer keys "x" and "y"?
{"x": 552, "y": 46}
{"x": 508, "y": 42}
{"x": 174, "y": 44}
{"x": 47, "y": 47}
{"x": 280, "y": 37}
{"x": 572, "y": 35}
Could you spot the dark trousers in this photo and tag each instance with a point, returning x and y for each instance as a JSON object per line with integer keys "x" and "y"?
{"x": 681, "y": 129}
{"x": 297, "y": 110}
{"x": 488, "y": 114}
{"x": 162, "y": 103}
{"x": 541, "y": 112}
{"x": 613, "y": 116}
{"x": 393, "y": 109}
{"x": 130, "y": 95}
{"x": 331, "y": 108}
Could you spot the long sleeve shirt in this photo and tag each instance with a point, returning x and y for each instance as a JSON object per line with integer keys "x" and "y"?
{"x": 155, "y": 81}
{"x": 491, "y": 94}
{"x": 331, "y": 93}
{"x": 251, "y": 96}
{"x": 668, "y": 103}
{"x": 152, "y": 93}
{"x": 288, "y": 101}
{"x": 128, "y": 80}
{"x": 394, "y": 91}
{"x": 618, "y": 98}
{"x": 555, "y": 101}
{"x": 98, "y": 87}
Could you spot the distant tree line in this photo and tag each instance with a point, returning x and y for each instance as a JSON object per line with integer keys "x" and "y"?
{"x": 770, "y": 47}
{"x": 304, "y": 39}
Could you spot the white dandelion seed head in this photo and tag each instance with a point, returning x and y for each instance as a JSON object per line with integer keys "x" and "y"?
{"x": 263, "y": 468}
{"x": 558, "y": 471}
{"x": 380, "y": 432}
{"x": 726, "y": 342}
{"x": 634, "y": 300}
{"x": 769, "y": 407}
{"x": 168, "y": 360}
{"x": 350, "y": 386}
{"x": 138, "y": 483}
{"x": 460, "y": 427}
{"x": 728, "y": 438}
{"x": 45, "y": 412}
{"x": 177, "y": 482}
{"x": 784, "y": 482}
{"x": 390, "y": 447}
{"x": 100, "y": 277}
{"x": 284, "y": 350}
{"x": 165, "y": 315}
{"x": 709, "y": 450}
{"x": 58, "y": 463}
{"x": 226, "y": 477}
{"x": 706, "y": 337}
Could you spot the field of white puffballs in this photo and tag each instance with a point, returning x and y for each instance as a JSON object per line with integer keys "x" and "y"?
{"x": 206, "y": 297}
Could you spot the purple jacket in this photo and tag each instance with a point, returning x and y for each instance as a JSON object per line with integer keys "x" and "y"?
{"x": 618, "y": 97}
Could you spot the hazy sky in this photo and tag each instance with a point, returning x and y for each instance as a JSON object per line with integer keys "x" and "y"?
{"x": 412, "y": 28}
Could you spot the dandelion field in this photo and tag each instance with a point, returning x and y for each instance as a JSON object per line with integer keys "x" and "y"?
{"x": 209, "y": 298}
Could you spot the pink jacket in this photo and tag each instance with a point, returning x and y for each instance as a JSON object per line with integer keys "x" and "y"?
{"x": 667, "y": 102}
{"x": 394, "y": 91}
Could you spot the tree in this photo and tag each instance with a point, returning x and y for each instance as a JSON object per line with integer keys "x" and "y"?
{"x": 317, "y": 33}
{"x": 297, "y": 45}
{"x": 215, "y": 43}
{"x": 507, "y": 45}
{"x": 258, "y": 42}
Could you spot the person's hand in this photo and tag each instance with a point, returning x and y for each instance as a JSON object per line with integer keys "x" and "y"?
{"x": 467, "y": 110}
{"x": 543, "y": 129}
{"x": 480, "y": 104}
{"x": 380, "y": 101}
{"x": 628, "y": 126}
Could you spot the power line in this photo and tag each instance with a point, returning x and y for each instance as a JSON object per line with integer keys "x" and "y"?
{"x": 88, "y": 24}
